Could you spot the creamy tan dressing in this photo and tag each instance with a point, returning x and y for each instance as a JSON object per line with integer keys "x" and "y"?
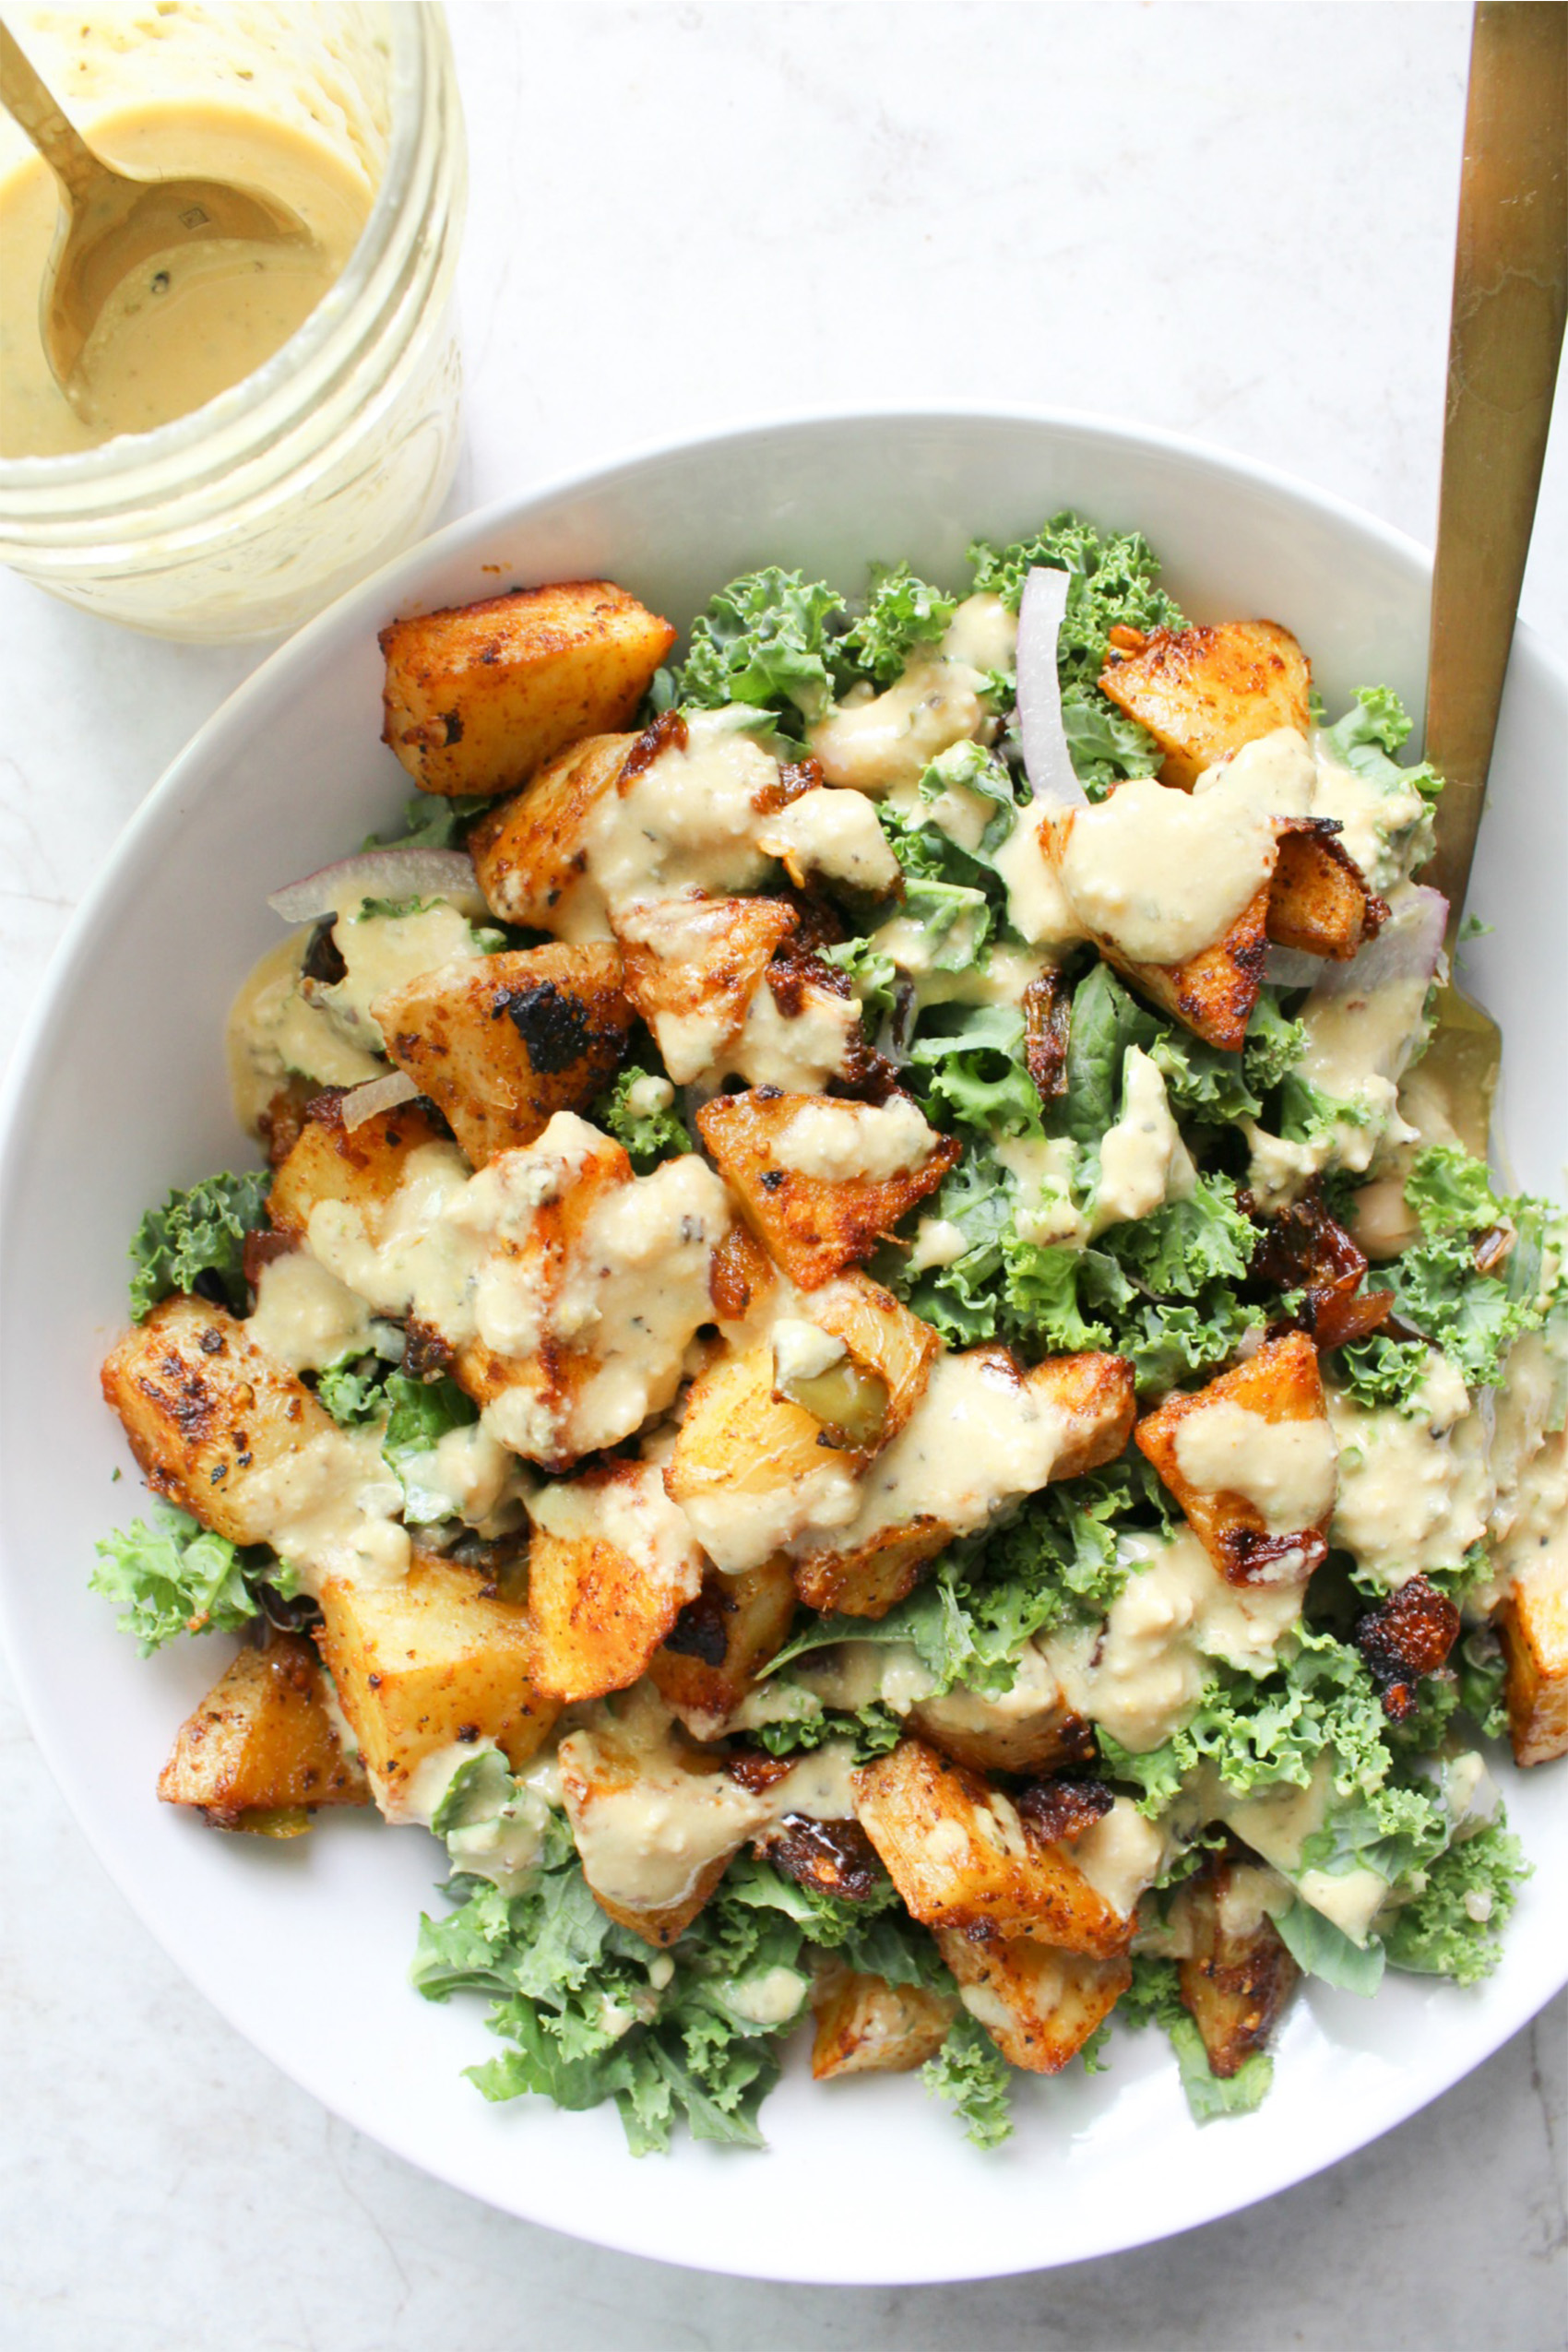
{"x": 1121, "y": 1854}
{"x": 683, "y": 933}
{"x": 874, "y": 742}
{"x": 1288, "y": 773}
{"x": 978, "y": 1437}
{"x": 1143, "y": 1161}
{"x": 1529, "y": 1460}
{"x": 331, "y": 1510}
{"x": 273, "y": 1034}
{"x": 383, "y": 952}
{"x": 633, "y": 1513}
{"x": 688, "y": 821}
{"x": 999, "y": 978}
{"x": 1274, "y": 774}
{"x": 1285, "y": 1469}
{"x": 982, "y": 633}
{"x": 646, "y": 1836}
{"x": 1414, "y": 1494}
{"x": 186, "y": 325}
{"x": 408, "y": 1256}
{"x": 759, "y": 1510}
{"x": 1036, "y": 1696}
{"x": 305, "y": 1318}
{"x": 1160, "y": 874}
{"x": 834, "y": 834}
{"x": 1142, "y": 1675}
{"x": 1038, "y": 905}
{"x": 796, "y": 1051}
{"x": 938, "y": 1242}
{"x": 1044, "y": 1170}
{"x": 844, "y": 1142}
{"x": 472, "y": 1478}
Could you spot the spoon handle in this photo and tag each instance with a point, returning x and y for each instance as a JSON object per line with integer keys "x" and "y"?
{"x": 33, "y": 105}
{"x": 1510, "y": 296}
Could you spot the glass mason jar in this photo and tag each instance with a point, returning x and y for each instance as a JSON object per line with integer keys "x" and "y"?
{"x": 245, "y": 517}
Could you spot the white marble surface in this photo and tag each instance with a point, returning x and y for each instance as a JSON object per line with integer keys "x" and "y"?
{"x": 1230, "y": 220}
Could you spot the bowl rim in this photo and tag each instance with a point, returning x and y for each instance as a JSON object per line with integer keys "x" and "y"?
{"x": 36, "y": 1036}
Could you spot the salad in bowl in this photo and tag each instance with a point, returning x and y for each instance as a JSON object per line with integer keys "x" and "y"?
{"x": 866, "y": 1368}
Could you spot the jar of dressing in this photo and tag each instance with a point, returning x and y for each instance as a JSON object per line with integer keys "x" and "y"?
{"x": 312, "y": 403}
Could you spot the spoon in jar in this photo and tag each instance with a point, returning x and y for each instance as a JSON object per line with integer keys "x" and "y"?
{"x": 112, "y": 225}
{"x": 1510, "y": 296}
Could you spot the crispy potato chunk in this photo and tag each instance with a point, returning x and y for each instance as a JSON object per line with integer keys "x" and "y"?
{"x": 750, "y": 1469}
{"x": 864, "y": 2025}
{"x": 502, "y": 1043}
{"x": 1318, "y": 900}
{"x": 1533, "y": 1628}
{"x": 1236, "y": 1975}
{"x": 362, "y": 1167}
{"x": 960, "y": 1855}
{"x": 1039, "y": 2005}
{"x": 612, "y": 1564}
{"x": 1213, "y": 993}
{"x": 815, "y": 1226}
{"x": 655, "y": 1823}
{"x": 528, "y": 851}
{"x": 262, "y": 1742}
{"x": 693, "y": 966}
{"x": 1031, "y": 1731}
{"x": 984, "y": 1432}
{"x": 1203, "y": 691}
{"x": 438, "y": 1658}
{"x": 604, "y": 1278}
{"x": 753, "y": 1470}
{"x": 480, "y": 695}
{"x": 208, "y": 1414}
{"x": 1280, "y": 1386}
{"x": 712, "y": 1654}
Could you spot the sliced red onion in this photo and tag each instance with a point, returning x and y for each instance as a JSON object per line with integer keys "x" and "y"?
{"x": 1048, "y": 763}
{"x": 375, "y": 1095}
{"x": 381, "y": 873}
{"x": 1408, "y": 947}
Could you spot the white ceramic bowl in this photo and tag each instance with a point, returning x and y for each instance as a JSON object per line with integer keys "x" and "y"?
{"x": 118, "y": 1092}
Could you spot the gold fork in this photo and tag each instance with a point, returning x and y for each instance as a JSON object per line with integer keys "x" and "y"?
{"x": 1510, "y": 297}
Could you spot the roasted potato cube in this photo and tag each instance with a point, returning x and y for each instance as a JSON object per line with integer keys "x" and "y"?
{"x": 656, "y": 1821}
{"x": 480, "y": 695}
{"x": 1030, "y": 1731}
{"x": 1203, "y": 691}
{"x": 208, "y": 1416}
{"x": 262, "y": 1742}
{"x": 1280, "y": 1388}
{"x": 611, "y": 1565}
{"x": 1235, "y": 1974}
{"x": 1318, "y": 902}
{"x": 1533, "y": 1628}
{"x": 948, "y": 1471}
{"x": 362, "y": 1167}
{"x": 864, "y": 2025}
{"x": 882, "y": 1336}
{"x": 817, "y": 1225}
{"x": 959, "y": 1855}
{"x": 693, "y": 966}
{"x": 1039, "y": 2005}
{"x": 608, "y": 1276}
{"x": 750, "y": 1469}
{"x": 528, "y": 851}
{"x": 501, "y": 1044}
{"x": 712, "y": 1654}
{"x": 742, "y": 1277}
{"x": 436, "y": 1659}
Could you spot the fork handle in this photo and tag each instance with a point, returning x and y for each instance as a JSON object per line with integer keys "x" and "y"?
{"x": 1510, "y": 297}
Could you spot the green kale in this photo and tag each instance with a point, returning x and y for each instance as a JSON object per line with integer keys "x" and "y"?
{"x": 1453, "y": 1926}
{"x": 902, "y": 613}
{"x": 175, "y": 1577}
{"x": 1383, "y": 1371}
{"x": 1154, "y": 1999}
{"x": 971, "y": 1061}
{"x": 1369, "y": 735}
{"x": 1320, "y": 1949}
{"x": 1112, "y": 580}
{"x": 970, "y": 2075}
{"x": 421, "y": 1412}
{"x": 196, "y": 1241}
{"x": 1182, "y": 1248}
{"x": 433, "y": 820}
{"x": 873, "y": 1730}
{"x": 872, "y": 974}
{"x": 763, "y": 640}
{"x": 1439, "y": 1288}
{"x": 648, "y": 1135}
{"x": 354, "y": 1390}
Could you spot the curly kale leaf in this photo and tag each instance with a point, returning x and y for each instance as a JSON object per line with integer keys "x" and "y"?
{"x": 901, "y": 614}
{"x": 767, "y": 640}
{"x": 1440, "y": 1291}
{"x": 970, "y": 2075}
{"x": 422, "y": 1413}
{"x": 1154, "y": 1999}
{"x": 1452, "y": 1927}
{"x": 648, "y": 1135}
{"x": 1111, "y": 579}
{"x": 196, "y": 1241}
{"x": 174, "y": 1576}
